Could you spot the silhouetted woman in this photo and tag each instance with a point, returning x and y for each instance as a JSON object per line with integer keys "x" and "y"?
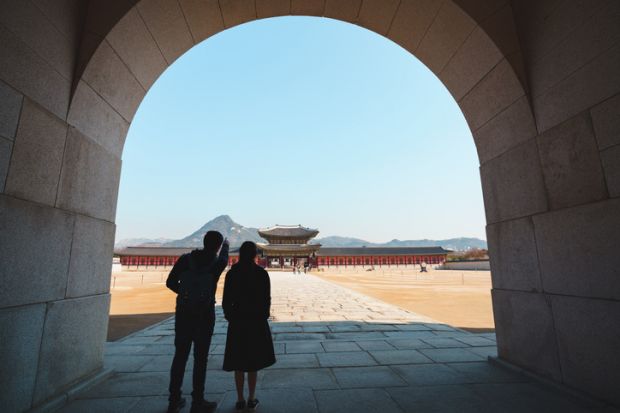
{"x": 246, "y": 303}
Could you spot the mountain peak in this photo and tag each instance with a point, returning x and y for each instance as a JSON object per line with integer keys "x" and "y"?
{"x": 234, "y": 232}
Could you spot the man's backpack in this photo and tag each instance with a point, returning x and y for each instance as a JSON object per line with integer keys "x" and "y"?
{"x": 196, "y": 285}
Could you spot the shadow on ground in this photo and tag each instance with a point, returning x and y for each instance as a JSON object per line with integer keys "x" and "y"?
{"x": 122, "y": 325}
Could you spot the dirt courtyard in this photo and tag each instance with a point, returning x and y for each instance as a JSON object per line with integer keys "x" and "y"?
{"x": 458, "y": 298}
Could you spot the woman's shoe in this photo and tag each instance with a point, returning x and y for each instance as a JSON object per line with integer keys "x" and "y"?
{"x": 240, "y": 406}
{"x": 252, "y": 404}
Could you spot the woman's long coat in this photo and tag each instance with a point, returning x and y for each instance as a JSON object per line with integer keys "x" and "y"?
{"x": 246, "y": 303}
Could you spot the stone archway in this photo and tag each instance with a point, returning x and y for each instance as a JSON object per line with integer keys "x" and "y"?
{"x": 537, "y": 84}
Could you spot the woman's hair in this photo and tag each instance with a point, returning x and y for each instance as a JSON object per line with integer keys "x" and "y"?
{"x": 247, "y": 252}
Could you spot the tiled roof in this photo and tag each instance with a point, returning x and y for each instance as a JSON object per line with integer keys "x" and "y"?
{"x": 288, "y": 231}
{"x": 348, "y": 251}
{"x": 159, "y": 251}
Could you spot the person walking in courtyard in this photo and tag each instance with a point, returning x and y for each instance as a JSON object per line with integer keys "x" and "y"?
{"x": 194, "y": 279}
{"x": 247, "y": 304}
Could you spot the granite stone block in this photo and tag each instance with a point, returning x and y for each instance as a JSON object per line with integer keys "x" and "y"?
{"x": 79, "y": 324}
{"x": 89, "y": 179}
{"x": 513, "y": 255}
{"x": 95, "y": 118}
{"x": 571, "y": 164}
{"x": 271, "y": 8}
{"x": 167, "y": 24}
{"x": 588, "y": 337}
{"x": 345, "y": 10}
{"x": 610, "y": 159}
{"x": 411, "y": 22}
{"x": 606, "y": 122}
{"x": 450, "y": 28}
{"x": 31, "y": 75}
{"x": 508, "y": 129}
{"x": 37, "y": 155}
{"x": 377, "y": 15}
{"x": 563, "y": 237}
{"x": 476, "y": 57}
{"x": 235, "y": 12}
{"x": 35, "y": 243}
{"x": 496, "y": 92}
{"x": 525, "y": 331}
{"x": 90, "y": 266}
{"x": 136, "y": 47}
{"x": 108, "y": 75}
{"x": 10, "y": 108}
{"x": 513, "y": 185}
{"x": 307, "y": 7}
{"x": 6, "y": 148}
{"x": 21, "y": 328}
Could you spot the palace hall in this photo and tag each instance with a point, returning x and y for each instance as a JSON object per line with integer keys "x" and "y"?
{"x": 289, "y": 246}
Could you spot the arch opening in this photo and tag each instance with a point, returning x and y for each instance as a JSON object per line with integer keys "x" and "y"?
{"x": 544, "y": 126}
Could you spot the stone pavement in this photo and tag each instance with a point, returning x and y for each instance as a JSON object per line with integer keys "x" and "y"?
{"x": 337, "y": 351}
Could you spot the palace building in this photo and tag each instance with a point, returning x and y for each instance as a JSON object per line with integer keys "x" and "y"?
{"x": 289, "y": 246}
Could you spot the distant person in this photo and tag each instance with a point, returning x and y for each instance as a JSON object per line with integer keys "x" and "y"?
{"x": 194, "y": 278}
{"x": 247, "y": 303}
{"x": 306, "y": 265}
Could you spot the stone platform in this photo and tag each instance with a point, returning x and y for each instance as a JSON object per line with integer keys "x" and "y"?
{"x": 337, "y": 351}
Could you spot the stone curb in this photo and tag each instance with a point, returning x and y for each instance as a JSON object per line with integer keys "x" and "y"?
{"x": 56, "y": 403}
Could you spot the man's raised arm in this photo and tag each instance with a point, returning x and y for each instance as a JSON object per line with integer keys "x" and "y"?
{"x": 222, "y": 259}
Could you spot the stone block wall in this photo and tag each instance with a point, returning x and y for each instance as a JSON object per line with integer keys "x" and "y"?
{"x": 57, "y": 208}
{"x": 539, "y": 85}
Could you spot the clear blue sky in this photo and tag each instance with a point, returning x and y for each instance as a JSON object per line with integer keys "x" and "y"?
{"x": 300, "y": 120}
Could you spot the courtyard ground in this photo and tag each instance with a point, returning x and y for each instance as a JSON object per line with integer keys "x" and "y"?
{"x": 458, "y": 298}
{"x": 337, "y": 351}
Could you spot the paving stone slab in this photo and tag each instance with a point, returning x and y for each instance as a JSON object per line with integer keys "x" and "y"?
{"x": 335, "y": 346}
{"x": 444, "y": 342}
{"x": 454, "y": 398}
{"x": 451, "y": 355}
{"x": 284, "y": 400}
{"x": 367, "y": 377}
{"x": 159, "y": 404}
{"x": 387, "y": 357}
{"x": 485, "y": 372}
{"x": 126, "y": 363}
{"x": 356, "y": 400}
{"x": 410, "y": 334}
{"x": 294, "y": 361}
{"x": 412, "y": 327}
{"x": 430, "y": 374}
{"x": 317, "y": 378}
{"x": 374, "y": 345}
{"x": 530, "y": 397}
{"x": 304, "y": 347}
{"x": 476, "y": 341}
{"x": 361, "y": 335}
{"x": 408, "y": 343}
{"x": 298, "y": 336}
{"x": 485, "y": 352}
{"x": 117, "y": 404}
{"x": 346, "y": 359}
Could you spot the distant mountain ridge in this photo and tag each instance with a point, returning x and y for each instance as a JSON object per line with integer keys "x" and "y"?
{"x": 237, "y": 233}
{"x": 134, "y": 242}
{"x": 455, "y": 244}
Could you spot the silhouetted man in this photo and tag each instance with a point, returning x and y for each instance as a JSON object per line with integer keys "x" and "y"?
{"x": 194, "y": 278}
